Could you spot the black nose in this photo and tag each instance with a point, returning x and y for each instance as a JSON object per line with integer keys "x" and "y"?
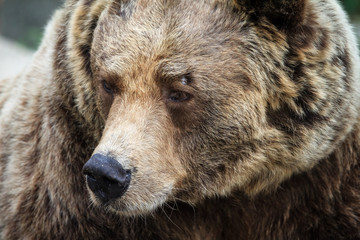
{"x": 106, "y": 178}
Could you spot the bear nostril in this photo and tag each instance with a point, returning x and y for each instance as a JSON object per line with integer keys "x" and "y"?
{"x": 88, "y": 174}
{"x": 106, "y": 178}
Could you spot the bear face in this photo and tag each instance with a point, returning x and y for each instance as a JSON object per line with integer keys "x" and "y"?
{"x": 200, "y": 99}
{"x": 162, "y": 114}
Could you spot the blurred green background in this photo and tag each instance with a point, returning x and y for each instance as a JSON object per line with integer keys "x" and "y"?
{"x": 24, "y": 20}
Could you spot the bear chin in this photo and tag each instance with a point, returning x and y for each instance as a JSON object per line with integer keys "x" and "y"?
{"x": 131, "y": 205}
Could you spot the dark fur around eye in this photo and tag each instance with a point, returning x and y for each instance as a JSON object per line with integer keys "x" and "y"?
{"x": 106, "y": 87}
{"x": 179, "y": 96}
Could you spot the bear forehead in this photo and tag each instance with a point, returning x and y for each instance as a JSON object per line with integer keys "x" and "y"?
{"x": 185, "y": 35}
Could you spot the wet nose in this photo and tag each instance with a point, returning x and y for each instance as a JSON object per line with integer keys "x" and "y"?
{"x": 106, "y": 178}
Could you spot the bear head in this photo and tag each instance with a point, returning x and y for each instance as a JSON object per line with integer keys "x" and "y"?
{"x": 202, "y": 98}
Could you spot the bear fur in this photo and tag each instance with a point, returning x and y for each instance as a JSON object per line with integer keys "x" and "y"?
{"x": 236, "y": 119}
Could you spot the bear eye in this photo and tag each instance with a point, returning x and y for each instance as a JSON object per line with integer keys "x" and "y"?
{"x": 106, "y": 87}
{"x": 179, "y": 96}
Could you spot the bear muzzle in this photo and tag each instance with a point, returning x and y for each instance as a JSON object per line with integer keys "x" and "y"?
{"x": 106, "y": 177}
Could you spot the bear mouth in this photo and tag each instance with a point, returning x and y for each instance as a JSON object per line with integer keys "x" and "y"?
{"x": 132, "y": 203}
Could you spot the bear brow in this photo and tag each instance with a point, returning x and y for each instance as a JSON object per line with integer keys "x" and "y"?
{"x": 184, "y": 77}
{"x": 170, "y": 72}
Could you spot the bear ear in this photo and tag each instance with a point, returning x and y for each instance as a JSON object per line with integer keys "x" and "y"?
{"x": 285, "y": 14}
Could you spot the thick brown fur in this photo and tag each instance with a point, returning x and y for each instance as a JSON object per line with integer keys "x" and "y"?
{"x": 264, "y": 144}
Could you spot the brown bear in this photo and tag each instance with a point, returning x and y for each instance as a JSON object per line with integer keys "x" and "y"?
{"x": 180, "y": 119}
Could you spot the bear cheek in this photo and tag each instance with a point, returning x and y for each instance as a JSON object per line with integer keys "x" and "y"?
{"x": 218, "y": 168}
